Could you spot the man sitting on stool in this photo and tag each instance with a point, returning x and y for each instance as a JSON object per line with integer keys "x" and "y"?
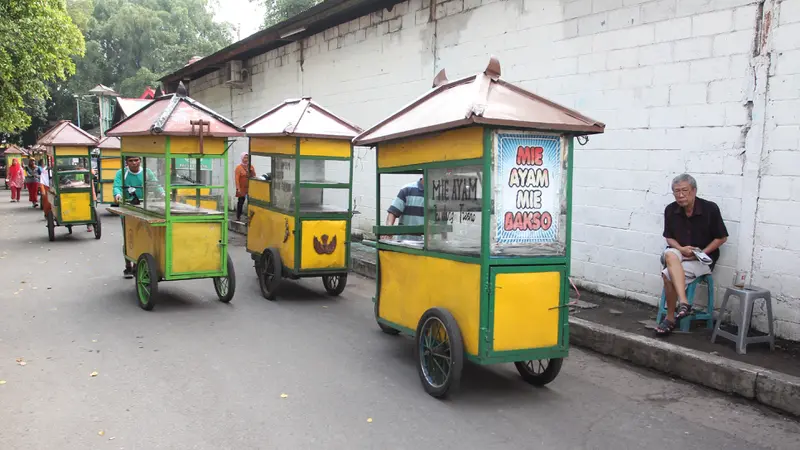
{"x": 690, "y": 224}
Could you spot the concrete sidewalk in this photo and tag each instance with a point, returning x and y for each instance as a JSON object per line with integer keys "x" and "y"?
{"x": 769, "y": 387}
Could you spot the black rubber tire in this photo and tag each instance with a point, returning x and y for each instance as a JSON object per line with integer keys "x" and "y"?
{"x": 334, "y": 284}
{"x": 269, "y": 288}
{"x": 69, "y": 229}
{"x": 227, "y": 296}
{"x": 51, "y": 226}
{"x": 456, "y": 352}
{"x": 98, "y": 227}
{"x": 385, "y": 328}
{"x": 548, "y": 374}
{"x": 146, "y": 262}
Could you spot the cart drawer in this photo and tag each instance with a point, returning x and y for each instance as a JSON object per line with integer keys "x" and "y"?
{"x": 196, "y": 247}
{"x": 526, "y": 313}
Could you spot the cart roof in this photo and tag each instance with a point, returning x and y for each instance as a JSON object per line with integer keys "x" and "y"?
{"x": 172, "y": 115}
{"x": 478, "y": 99}
{"x": 301, "y": 118}
{"x": 14, "y": 150}
{"x": 110, "y": 142}
{"x": 65, "y": 133}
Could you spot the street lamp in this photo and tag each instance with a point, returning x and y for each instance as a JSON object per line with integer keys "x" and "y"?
{"x": 78, "y": 99}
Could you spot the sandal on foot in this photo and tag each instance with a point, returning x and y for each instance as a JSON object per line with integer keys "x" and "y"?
{"x": 665, "y": 327}
{"x": 684, "y": 309}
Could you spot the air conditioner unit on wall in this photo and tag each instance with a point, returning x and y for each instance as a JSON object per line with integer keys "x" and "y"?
{"x": 235, "y": 75}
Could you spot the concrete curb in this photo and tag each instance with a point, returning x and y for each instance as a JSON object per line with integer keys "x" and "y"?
{"x": 774, "y": 389}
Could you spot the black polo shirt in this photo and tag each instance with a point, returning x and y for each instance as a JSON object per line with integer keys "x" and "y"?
{"x": 698, "y": 230}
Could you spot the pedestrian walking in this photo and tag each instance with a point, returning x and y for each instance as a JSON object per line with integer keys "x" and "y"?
{"x": 242, "y": 175}
{"x": 32, "y": 177}
{"x": 15, "y": 179}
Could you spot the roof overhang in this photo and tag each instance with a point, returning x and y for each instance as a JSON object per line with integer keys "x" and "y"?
{"x": 315, "y": 20}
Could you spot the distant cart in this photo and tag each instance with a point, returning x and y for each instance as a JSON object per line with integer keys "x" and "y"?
{"x": 71, "y": 192}
{"x": 175, "y": 221}
{"x": 109, "y": 161}
{"x": 300, "y": 204}
{"x": 485, "y": 278}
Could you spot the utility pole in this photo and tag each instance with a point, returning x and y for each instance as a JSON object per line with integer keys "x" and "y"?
{"x": 78, "y": 104}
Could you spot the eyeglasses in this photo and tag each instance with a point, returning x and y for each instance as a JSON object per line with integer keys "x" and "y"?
{"x": 681, "y": 192}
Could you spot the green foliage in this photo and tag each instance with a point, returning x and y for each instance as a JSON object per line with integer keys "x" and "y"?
{"x": 130, "y": 44}
{"x": 279, "y": 10}
{"x": 37, "y": 42}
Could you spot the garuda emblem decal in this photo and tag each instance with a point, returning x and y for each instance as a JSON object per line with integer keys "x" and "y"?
{"x": 322, "y": 246}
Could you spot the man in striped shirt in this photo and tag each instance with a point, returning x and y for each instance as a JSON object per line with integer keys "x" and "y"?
{"x": 409, "y": 207}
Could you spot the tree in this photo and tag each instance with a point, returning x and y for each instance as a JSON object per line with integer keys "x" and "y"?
{"x": 37, "y": 42}
{"x": 130, "y": 44}
{"x": 279, "y": 10}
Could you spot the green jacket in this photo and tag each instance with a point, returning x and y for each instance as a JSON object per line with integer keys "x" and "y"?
{"x": 135, "y": 180}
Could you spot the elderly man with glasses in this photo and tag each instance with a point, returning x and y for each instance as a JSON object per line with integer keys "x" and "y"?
{"x": 692, "y": 226}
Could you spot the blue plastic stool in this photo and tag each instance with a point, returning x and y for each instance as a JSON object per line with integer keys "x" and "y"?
{"x": 708, "y": 315}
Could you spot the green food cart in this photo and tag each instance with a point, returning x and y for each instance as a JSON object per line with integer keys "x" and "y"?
{"x": 169, "y": 233}
{"x": 494, "y": 163}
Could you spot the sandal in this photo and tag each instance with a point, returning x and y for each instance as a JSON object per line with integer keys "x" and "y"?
{"x": 684, "y": 310}
{"x": 665, "y": 327}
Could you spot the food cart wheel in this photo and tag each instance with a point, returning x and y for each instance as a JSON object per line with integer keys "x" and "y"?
{"x": 269, "y": 274}
{"x": 385, "y": 328}
{"x": 51, "y": 226}
{"x": 439, "y": 352}
{"x": 226, "y": 286}
{"x": 147, "y": 281}
{"x": 539, "y": 372}
{"x": 69, "y": 229}
{"x": 98, "y": 230}
{"x": 334, "y": 284}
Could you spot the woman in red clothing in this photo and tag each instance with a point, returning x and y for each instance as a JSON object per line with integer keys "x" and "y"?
{"x": 32, "y": 176}
{"x": 15, "y": 179}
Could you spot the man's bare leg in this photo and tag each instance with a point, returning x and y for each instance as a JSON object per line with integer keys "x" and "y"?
{"x": 671, "y": 297}
{"x": 677, "y": 276}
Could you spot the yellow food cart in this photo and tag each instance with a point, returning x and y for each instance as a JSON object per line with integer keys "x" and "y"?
{"x": 484, "y": 277}
{"x": 299, "y": 207}
{"x": 175, "y": 198}
{"x": 109, "y": 161}
{"x": 71, "y": 193}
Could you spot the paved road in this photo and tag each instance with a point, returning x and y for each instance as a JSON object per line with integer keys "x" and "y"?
{"x": 199, "y": 374}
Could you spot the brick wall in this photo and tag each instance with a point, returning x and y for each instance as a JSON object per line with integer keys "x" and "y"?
{"x": 711, "y": 87}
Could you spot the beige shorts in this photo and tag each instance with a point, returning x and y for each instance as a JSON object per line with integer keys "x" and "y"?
{"x": 692, "y": 268}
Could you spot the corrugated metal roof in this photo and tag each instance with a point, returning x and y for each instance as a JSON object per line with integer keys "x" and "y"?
{"x": 301, "y": 118}
{"x": 479, "y": 99}
{"x": 110, "y": 142}
{"x": 66, "y": 133}
{"x": 172, "y": 115}
{"x": 129, "y": 106}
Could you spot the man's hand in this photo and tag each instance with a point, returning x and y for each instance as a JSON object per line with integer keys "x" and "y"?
{"x": 118, "y": 198}
{"x": 687, "y": 252}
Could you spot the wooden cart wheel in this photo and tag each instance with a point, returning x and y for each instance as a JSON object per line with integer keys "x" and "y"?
{"x": 51, "y": 226}
{"x": 147, "y": 281}
{"x": 439, "y": 352}
{"x": 385, "y": 328}
{"x": 334, "y": 284}
{"x": 98, "y": 229}
{"x": 269, "y": 275}
{"x": 539, "y": 372}
{"x": 226, "y": 286}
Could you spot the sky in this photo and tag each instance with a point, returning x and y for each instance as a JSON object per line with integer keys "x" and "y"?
{"x": 247, "y": 15}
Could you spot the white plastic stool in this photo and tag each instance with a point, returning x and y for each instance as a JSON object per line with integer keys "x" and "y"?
{"x": 747, "y": 298}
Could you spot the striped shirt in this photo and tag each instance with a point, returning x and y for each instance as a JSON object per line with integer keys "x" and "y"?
{"x": 409, "y": 206}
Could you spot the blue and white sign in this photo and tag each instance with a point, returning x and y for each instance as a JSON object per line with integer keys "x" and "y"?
{"x": 527, "y": 188}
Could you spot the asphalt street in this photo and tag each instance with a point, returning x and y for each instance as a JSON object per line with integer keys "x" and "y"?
{"x": 305, "y": 372}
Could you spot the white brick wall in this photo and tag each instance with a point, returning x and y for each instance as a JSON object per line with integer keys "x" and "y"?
{"x": 674, "y": 81}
